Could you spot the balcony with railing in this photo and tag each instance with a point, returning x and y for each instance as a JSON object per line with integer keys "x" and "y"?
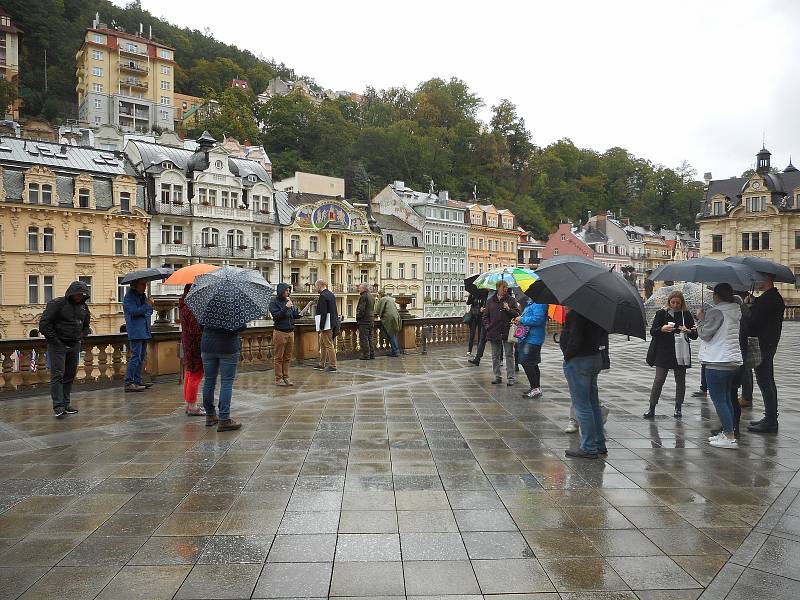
{"x": 337, "y": 255}
{"x": 366, "y": 257}
{"x": 133, "y": 67}
{"x": 225, "y": 212}
{"x": 133, "y": 82}
{"x": 175, "y": 249}
{"x": 266, "y": 254}
{"x": 296, "y": 254}
{"x": 176, "y": 207}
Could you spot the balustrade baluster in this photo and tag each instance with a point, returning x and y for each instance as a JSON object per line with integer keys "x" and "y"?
{"x": 28, "y": 378}
{"x": 117, "y": 366}
{"x": 103, "y": 363}
{"x": 88, "y": 365}
{"x": 7, "y": 372}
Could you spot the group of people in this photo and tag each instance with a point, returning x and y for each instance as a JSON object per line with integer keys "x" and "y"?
{"x": 737, "y": 327}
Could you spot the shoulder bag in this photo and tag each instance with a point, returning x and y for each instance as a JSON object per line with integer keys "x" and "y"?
{"x": 753, "y": 353}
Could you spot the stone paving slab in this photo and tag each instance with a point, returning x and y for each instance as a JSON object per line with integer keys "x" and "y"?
{"x": 400, "y": 478}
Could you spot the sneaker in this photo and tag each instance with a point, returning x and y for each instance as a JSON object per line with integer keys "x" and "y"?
{"x": 59, "y": 414}
{"x": 319, "y": 368}
{"x": 134, "y": 387}
{"x": 287, "y": 382}
{"x": 677, "y": 414}
{"x": 228, "y": 425}
{"x": 330, "y": 369}
{"x": 716, "y": 436}
{"x": 496, "y": 381}
{"x": 724, "y": 442}
{"x": 71, "y": 411}
{"x": 468, "y": 354}
{"x": 570, "y": 453}
{"x": 572, "y": 426}
{"x": 533, "y": 393}
{"x": 211, "y": 420}
{"x": 603, "y": 410}
{"x": 699, "y": 394}
{"x": 280, "y": 382}
{"x": 474, "y": 361}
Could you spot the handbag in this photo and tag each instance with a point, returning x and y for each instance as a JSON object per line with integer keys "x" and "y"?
{"x": 521, "y": 332}
{"x": 753, "y": 353}
{"x": 511, "y": 337}
{"x": 683, "y": 351}
{"x": 467, "y": 318}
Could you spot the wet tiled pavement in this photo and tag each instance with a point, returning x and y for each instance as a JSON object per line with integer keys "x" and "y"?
{"x": 409, "y": 477}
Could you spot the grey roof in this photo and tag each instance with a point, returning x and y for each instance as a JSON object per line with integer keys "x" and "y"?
{"x": 297, "y": 199}
{"x": 593, "y": 236}
{"x": 402, "y": 233}
{"x": 283, "y": 209}
{"x": 394, "y": 223}
{"x": 779, "y": 184}
{"x": 63, "y": 157}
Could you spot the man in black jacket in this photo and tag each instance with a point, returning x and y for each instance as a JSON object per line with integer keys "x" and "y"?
{"x": 766, "y": 318}
{"x": 64, "y": 323}
{"x": 283, "y": 315}
{"x": 501, "y": 308}
{"x": 327, "y": 318}
{"x": 365, "y": 318}
{"x": 582, "y": 342}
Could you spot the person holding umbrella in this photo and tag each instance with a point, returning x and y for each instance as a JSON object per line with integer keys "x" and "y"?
{"x": 138, "y": 310}
{"x": 672, "y": 328}
{"x": 720, "y": 352}
{"x": 500, "y": 310}
{"x": 475, "y": 303}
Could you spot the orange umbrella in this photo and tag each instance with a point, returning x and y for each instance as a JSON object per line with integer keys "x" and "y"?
{"x": 186, "y": 275}
{"x": 557, "y": 313}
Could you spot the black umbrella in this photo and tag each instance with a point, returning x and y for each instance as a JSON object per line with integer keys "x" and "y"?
{"x": 470, "y": 287}
{"x": 781, "y": 272}
{"x": 592, "y": 290}
{"x": 708, "y": 270}
{"x": 150, "y": 274}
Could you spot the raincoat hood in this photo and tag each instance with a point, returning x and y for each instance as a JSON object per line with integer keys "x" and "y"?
{"x": 77, "y": 287}
{"x": 282, "y": 287}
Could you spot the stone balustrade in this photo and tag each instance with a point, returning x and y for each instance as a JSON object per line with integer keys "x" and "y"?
{"x": 104, "y": 357}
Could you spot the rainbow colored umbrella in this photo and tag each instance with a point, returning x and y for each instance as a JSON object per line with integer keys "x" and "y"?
{"x": 515, "y": 277}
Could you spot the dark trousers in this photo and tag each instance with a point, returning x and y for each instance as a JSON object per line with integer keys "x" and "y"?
{"x": 481, "y": 342}
{"x": 658, "y": 384}
{"x": 765, "y": 376}
{"x": 474, "y": 332}
{"x": 365, "y": 331}
{"x": 529, "y": 356}
{"x": 133, "y": 374}
{"x": 747, "y": 383}
{"x": 63, "y": 361}
{"x": 703, "y": 384}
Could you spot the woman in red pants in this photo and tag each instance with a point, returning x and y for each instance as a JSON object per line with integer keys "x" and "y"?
{"x": 191, "y": 333}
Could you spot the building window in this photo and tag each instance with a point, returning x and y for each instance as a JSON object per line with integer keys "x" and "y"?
{"x": 427, "y": 264}
{"x": 162, "y": 53}
{"x": 388, "y": 270}
{"x": 97, "y": 55}
{"x": 84, "y": 241}
{"x": 261, "y": 240}
{"x": 122, "y": 289}
{"x": 235, "y": 238}
{"x": 797, "y": 240}
{"x": 131, "y": 244}
{"x": 437, "y": 237}
{"x": 212, "y": 197}
{"x": 98, "y": 38}
{"x": 446, "y": 264}
{"x": 47, "y": 288}
{"x": 364, "y": 246}
{"x": 164, "y": 115}
{"x": 33, "y": 289}
{"x": 209, "y": 236}
{"x": 165, "y": 85}
{"x": 446, "y": 238}
{"x": 224, "y": 201}
{"x": 47, "y": 193}
{"x": 48, "y": 238}
{"x": 97, "y": 87}
{"x": 414, "y": 241}
{"x": 472, "y": 268}
{"x": 86, "y": 279}
{"x": 33, "y": 239}
{"x": 166, "y": 195}
{"x": 389, "y": 239}
{"x": 764, "y": 240}
{"x": 413, "y": 270}
{"x": 313, "y": 244}
{"x": 164, "y": 70}
{"x": 97, "y": 71}
{"x": 33, "y": 193}
{"x": 716, "y": 243}
{"x": 165, "y": 100}
{"x": 480, "y": 244}
{"x": 718, "y": 208}
{"x": 118, "y": 243}
{"x": 756, "y": 203}
{"x": 349, "y": 245}
{"x": 125, "y": 201}
{"x": 555, "y": 251}
{"x": 98, "y": 104}
{"x": 505, "y": 246}
{"x": 462, "y": 265}
{"x": 427, "y": 237}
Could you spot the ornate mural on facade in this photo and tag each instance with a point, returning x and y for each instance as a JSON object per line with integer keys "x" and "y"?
{"x": 330, "y": 215}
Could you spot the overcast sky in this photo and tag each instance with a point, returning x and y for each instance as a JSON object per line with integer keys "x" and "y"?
{"x": 668, "y": 80}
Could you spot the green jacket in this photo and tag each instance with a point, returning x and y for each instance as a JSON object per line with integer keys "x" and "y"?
{"x": 365, "y": 310}
{"x": 386, "y": 309}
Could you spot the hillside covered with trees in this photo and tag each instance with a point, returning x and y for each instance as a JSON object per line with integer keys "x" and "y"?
{"x": 432, "y": 132}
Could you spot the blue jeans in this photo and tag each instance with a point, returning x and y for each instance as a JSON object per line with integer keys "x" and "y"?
{"x": 133, "y": 374}
{"x": 719, "y": 388}
{"x": 581, "y": 374}
{"x": 224, "y": 365}
{"x": 393, "y": 344}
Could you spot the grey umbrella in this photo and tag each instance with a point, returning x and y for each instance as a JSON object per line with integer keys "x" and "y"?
{"x": 229, "y": 298}
{"x": 151, "y": 274}
{"x": 781, "y": 272}
{"x": 591, "y": 289}
{"x": 692, "y": 292}
{"x": 708, "y": 270}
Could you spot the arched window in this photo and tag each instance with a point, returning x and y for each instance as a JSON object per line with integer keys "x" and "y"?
{"x": 209, "y": 236}
{"x": 235, "y": 238}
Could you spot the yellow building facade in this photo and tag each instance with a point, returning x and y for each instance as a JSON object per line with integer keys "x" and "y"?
{"x": 330, "y": 239}
{"x": 126, "y": 80}
{"x": 66, "y": 214}
{"x": 492, "y": 238}
{"x": 758, "y": 215}
{"x": 402, "y": 261}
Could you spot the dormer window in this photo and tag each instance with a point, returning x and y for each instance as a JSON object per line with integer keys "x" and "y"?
{"x": 167, "y": 165}
{"x": 756, "y": 203}
{"x": 252, "y": 178}
{"x": 718, "y": 208}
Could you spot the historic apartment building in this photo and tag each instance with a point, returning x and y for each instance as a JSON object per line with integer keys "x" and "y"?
{"x": 209, "y": 207}
{"x": 492, "y": 238}
{"x": 332, "y": 239}
{"x": 9, "y": 60}
{"x": 529, "y": 249}
{"x": 757, "y": 215}
{"x": 445, "y": 229}
{"x": 125, "y": 80}
{"x": 402, "y": 260}
{"x": 66, "y": 213}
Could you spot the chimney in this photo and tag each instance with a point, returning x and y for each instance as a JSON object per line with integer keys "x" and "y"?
{"x": 444, "y": 196}
{"x": 151, "y": 32}
{"x": 141, "y": 30}
{"x": 399, "y": 185}
{"x": 706, "y": 179}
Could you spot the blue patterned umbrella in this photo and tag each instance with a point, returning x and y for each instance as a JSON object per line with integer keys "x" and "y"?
{"x": 229, "y": 298}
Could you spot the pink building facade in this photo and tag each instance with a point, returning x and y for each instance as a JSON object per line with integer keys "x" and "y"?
{"x": 564, "y": 242}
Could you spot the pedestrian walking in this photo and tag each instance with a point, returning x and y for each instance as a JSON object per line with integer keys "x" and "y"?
{"x": 766, "y": 321}
{"x": 474, "y": 303}
{"x": 501, "y": 308}
{"x": 283, "y": 314}
{"x": 669, "y": 350}
{"x": 387, "y": 311}
{"x": 327, "y": 321}
{"x": 138, "y": 310}
{"x": 648, "y": 284}
{"x": 718, "y": 329}
{"x": 64, "y": 323}
{"x": 191, "y": 335}
{"x": 365, "y": 318}
{"x": 534, "y": 318}
{"x": 582, "y": 342}
{"x": 219, "y": 349}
